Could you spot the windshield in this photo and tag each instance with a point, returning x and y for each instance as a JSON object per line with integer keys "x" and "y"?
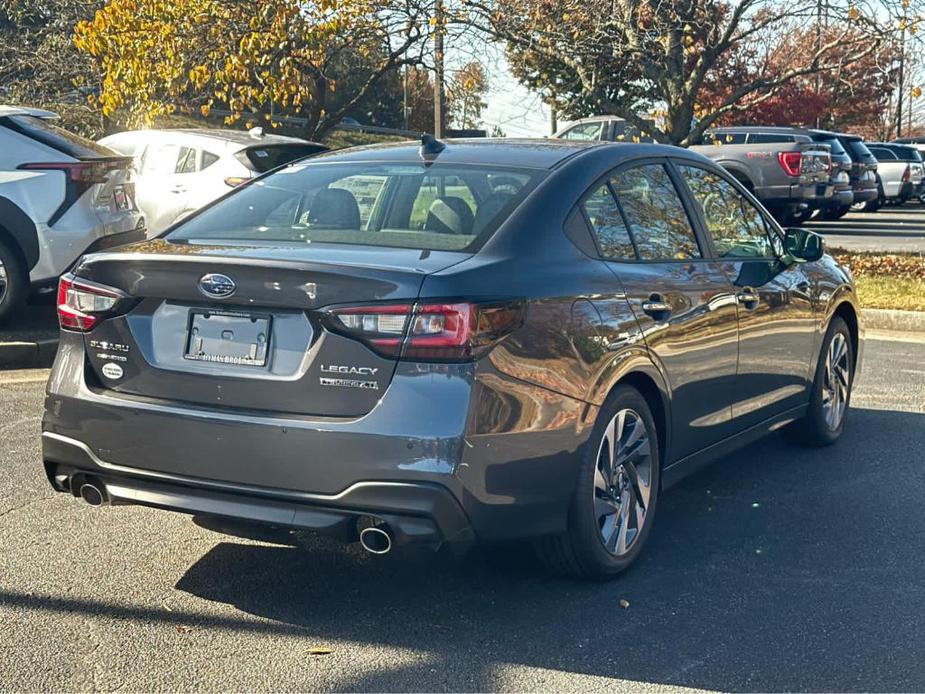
{"x": 427, "y": 207}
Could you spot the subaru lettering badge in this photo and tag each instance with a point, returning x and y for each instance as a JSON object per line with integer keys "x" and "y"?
{"x": 217, "y": 286}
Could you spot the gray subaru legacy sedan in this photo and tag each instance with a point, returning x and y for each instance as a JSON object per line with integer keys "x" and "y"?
{"x": 444, "y": 343}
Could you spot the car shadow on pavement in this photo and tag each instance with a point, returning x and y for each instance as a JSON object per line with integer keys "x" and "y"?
{"x": 778, "y": 568}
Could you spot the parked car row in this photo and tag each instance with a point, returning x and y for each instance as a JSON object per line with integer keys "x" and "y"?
{"x": 798, "y": 173}
{"x": 62, "y": 195}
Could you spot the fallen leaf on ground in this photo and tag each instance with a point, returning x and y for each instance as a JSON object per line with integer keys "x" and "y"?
{"x": 183, "y": 629}
{"x": 624, "y": 603}
{"x": 320, "y": 650}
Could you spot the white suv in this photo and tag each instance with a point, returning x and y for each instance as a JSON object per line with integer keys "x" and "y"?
{"x": 180, "y": 171}
{"x": 61, "y": 196}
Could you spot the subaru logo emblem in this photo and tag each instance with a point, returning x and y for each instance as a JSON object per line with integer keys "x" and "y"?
{"x": 217, "y": 286}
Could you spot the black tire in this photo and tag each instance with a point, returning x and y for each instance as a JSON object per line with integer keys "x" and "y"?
{"x": 14, "y": 282}
{"x": 815, "y": 429}
{"x": 833, "y": 213}
{"x": 580, "y": 551}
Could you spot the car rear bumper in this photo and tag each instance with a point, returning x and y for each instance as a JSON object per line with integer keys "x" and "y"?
{"x": 865, "y": 193}
{"x": 796, "y": 194}
{"x": 841, "y": 197}
{"x": 435, "y": 427}
{"x": 414, "y": 512}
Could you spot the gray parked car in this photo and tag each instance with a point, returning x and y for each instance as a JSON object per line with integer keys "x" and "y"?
{"x": 480, "y": 340}
{"x": 829, "y": 201}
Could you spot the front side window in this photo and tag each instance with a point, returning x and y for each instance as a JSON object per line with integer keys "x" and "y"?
{"x": 735, "y": 224}
{"x": 415, "y": 205}
{"x": 655, "y": 214}
{"x": 613, "y": 238}
{"x": 160, "y": 160}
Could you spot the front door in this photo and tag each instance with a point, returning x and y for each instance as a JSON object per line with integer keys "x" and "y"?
{"x": 683, "y": 301}
{"x": 776, "y": 322}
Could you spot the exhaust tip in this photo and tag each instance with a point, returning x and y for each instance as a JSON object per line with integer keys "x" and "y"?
{"x": 92, "y": 494}
{"x": 375, "y": 540}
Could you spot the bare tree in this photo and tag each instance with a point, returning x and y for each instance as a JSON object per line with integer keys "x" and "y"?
{"x": 639, "y": 58}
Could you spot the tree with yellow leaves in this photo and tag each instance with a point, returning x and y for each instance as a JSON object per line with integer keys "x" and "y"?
{"x": 250, "y": 57}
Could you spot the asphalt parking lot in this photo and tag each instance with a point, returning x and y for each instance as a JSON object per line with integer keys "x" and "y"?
{"x": 889, "y": 230}
{"x": 776, "y": 569}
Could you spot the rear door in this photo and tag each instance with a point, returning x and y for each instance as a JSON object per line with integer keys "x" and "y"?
{"x": 684, "y": 303}
{"x": 775, "y": 313}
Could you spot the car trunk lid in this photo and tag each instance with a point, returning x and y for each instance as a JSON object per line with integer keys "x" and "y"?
{"x": 246, "y": 326}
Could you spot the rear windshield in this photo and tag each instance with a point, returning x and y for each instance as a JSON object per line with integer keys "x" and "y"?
{"x": 907, "y": 153}
{"x": 427, "y": 207}
{"x": 263, "y": 158}
{"x": 857, "y": 149}
{"x": 42, "y": 130}
{"x": 832, "y": 142}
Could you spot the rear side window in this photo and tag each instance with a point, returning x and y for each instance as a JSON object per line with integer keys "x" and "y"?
{"x": 42, "y": 130}
{"x": 656, "y": 216}
{"x": 208, "y": 159}
{"x": 764, "y": 138}
{"x": 726, "y": 138}
{"x": 882, "y": 154}
{"x": 265, "y": 157}
{"x": 613, "y": 238}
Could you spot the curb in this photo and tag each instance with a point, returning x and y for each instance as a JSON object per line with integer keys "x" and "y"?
{"x": 28, "y": 355}
{"x": 901, "y": 321}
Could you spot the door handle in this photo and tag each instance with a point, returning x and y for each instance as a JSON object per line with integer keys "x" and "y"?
{"x": 656, "y": 307}
{"x": 749, "y": 298}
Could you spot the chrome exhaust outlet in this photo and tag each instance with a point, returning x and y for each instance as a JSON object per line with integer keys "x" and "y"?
{"x": 375, "y": 540}
{"x": 93, "y": 493}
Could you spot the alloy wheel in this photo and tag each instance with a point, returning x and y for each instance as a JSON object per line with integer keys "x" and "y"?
{"x": 622, "y": 482}
{"x": 836, "y": 381}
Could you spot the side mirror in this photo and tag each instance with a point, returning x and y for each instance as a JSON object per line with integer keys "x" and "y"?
{"x": 803, "y": 244}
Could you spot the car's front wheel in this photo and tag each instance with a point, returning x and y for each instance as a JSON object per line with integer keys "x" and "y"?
{"x": 613, "y": 505}
{"x": 831, "y": 391}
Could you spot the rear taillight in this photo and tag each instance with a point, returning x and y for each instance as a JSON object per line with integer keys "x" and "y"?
{"x": 431, "y": 331}
{"x": 235, "y": 181}
{"x": 81, "y": 305}
{"x": 80, "y": 176}
{"x": 907, "y": 174}
{"x": 790, "y": 162}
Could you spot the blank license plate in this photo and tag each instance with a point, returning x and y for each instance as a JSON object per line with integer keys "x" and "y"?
{"x": 228, "y": 338}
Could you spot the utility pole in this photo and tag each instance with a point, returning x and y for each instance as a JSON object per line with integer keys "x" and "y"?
{"x": 404, "y": 101}
{"x": 439, "y": 102}
{"x": 902, "y": 62}
{"x": 818, "y": 48}
{"x": 553, "y": 116}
